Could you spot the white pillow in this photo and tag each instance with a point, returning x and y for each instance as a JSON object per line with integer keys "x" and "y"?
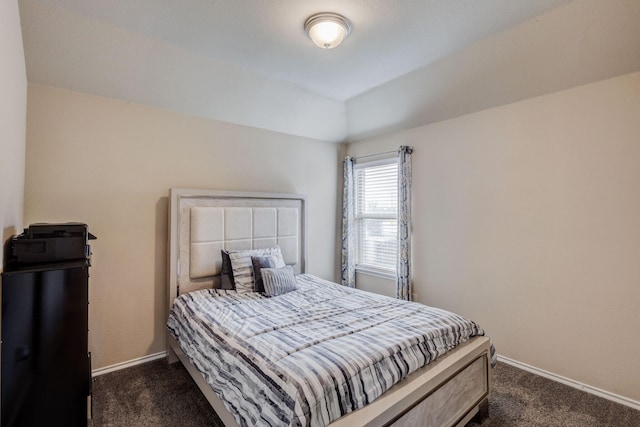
{"x": 243, "y": 268}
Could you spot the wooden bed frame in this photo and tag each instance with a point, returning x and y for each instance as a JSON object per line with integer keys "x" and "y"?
{"x": 449, "y": 392}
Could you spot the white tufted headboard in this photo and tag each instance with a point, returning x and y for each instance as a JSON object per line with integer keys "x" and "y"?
{"x": 202, "y": 222}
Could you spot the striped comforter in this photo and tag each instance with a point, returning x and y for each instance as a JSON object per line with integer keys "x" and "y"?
{"x": 310, "y": 356}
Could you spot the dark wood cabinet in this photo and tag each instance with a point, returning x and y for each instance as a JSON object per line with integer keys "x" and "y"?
{"x": 46, "y": 367}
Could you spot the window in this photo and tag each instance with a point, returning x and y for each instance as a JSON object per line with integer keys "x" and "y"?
{"x": 376, "y": 216}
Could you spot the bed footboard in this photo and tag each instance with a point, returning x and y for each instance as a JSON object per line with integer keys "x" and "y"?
{"x": 449, "y": 392}
{"x": 455, "y": 402}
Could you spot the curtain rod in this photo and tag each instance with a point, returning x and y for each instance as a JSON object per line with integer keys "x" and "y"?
{"x": 374, "y": 155}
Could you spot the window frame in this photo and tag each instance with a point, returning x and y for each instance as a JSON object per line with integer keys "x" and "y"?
{"x": 358, "y": 217}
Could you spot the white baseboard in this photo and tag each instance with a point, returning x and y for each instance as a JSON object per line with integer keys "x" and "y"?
{"x": 572, "y": 383}
{"x": 128, "y": 364}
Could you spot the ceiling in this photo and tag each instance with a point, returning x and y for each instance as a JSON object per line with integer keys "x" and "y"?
{"x": 249, "y": 61}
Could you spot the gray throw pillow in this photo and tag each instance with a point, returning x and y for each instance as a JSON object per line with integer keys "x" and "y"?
{"x": 260, "y": 262}
{"x": 226, "y": 275}
{"x": 278, "y": 281}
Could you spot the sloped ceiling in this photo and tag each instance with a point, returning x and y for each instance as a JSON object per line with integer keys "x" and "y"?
{"x": 250, "y": 62}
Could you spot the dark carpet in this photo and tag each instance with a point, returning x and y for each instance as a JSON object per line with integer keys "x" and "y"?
{"x": 158, "y": 394}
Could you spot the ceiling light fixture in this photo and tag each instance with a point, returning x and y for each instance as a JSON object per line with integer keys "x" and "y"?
{"x": 327, "y": 30}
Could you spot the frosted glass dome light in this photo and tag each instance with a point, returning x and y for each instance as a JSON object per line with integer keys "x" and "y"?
{"x": 327, "y": 30}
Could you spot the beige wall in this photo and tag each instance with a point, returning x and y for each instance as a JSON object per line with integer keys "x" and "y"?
{"x": 110, "y": 164}
{"x": 527, "y": 219}
{"x": 13, "y": 110}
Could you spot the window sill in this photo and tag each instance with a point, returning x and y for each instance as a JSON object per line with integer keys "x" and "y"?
{"x": 383, "y": 274}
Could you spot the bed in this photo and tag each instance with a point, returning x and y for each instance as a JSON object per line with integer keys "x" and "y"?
{"x": 392, "y": 389}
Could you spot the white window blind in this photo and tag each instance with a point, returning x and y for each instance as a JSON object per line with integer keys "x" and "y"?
{"x": 376, "y": 194}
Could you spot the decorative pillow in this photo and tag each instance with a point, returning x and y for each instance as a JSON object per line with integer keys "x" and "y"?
{"x": 243, "y": 268}
{"x": 278, "y": 281}
{"x": 226, "y": 275}
{"x": 260, "y": 262}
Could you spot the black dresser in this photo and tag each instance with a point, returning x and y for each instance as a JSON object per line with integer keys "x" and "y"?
{"x": 46, "y": 367}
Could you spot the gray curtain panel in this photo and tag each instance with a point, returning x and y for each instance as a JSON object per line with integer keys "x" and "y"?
{"x": 348, "y": 268}
{"x": 403, "y": 281}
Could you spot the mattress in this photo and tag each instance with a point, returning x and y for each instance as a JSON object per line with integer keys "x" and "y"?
{"x": 312, "y": 355}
